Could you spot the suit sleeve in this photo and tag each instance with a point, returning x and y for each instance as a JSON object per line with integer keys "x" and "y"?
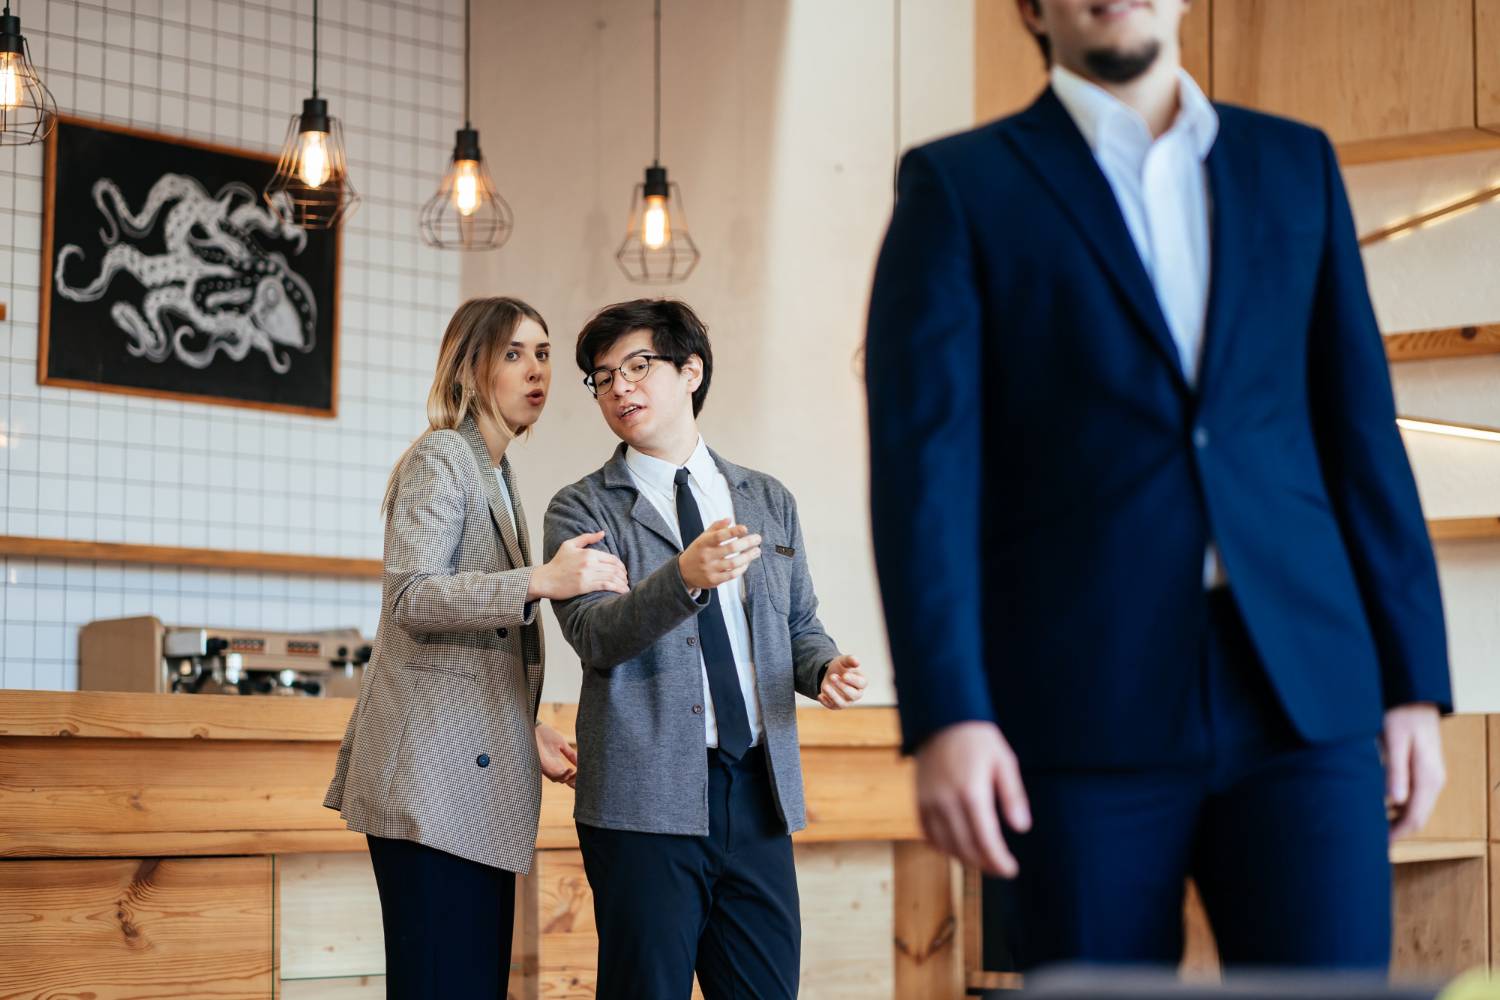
{"x": 923, "y": 361}
{"x": 1366, "y": 469}
{"x": 606, "y": 629}
{"x": 422, "y": 538}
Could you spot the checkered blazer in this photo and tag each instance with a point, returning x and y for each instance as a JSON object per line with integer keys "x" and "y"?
{"x": 440, "y": 748}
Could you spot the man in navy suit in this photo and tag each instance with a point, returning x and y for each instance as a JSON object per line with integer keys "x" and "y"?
{"x": 1140, "y": 505}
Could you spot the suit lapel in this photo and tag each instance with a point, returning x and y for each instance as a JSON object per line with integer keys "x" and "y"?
{"x": 498, "y": 514}
{"x": 523, "y": 534}
{"x": 1051, "y": 144}
{"x": 748, "y": 511}
{"x": 1232, "y": 183}
{"x": 642, "y": 511}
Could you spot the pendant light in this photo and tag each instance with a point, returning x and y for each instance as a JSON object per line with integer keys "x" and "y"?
{"x": 466, "y": 213}
{"x": 311, "y": 188}
{"x": 27, "y": 111}
{"x": 658, "y": 250}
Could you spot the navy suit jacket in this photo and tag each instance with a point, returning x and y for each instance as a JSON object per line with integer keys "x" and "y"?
{"x": 1044, "y": 479}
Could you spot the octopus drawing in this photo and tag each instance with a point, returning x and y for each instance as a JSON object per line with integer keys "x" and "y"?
{"x": 214, "y": 290}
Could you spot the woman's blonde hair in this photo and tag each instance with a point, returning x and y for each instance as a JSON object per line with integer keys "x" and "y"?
{"x": 476, "y": 339}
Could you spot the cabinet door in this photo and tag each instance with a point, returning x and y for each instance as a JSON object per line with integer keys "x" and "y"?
{"x": 1359, "y": 69}
{"x": 1008, "y": 68}
{"x": 118, "y": 928}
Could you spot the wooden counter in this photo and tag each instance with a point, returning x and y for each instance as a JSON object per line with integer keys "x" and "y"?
{"x": 175, "y": 845}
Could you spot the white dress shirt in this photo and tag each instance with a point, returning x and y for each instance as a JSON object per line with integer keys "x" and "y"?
{"x": 656, "y": 480}
{"x": 510, "y": 510}
{"x": 1161, "y": 186}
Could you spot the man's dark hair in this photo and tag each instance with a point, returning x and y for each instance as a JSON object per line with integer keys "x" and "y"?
{"x": 676, "y": 333}
{"x": 1042, "y": 41}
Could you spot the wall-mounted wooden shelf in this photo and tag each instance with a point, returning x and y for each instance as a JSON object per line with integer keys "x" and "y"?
{"x": 1453, "y": 342}
{"x": 166, "y": 555}
{"x": 1463, "y": 529}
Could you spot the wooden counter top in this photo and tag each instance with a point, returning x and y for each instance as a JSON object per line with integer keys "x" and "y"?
{"x": 110, "y": 774}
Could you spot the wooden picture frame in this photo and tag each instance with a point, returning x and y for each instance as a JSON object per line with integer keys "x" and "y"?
{"x": 215, "y": 301}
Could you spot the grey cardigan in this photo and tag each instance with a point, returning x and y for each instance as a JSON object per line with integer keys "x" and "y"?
{"x": 441, "y": 748}
{"x": 641, "y": 726}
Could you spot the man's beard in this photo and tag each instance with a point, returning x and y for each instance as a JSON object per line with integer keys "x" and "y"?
{"x": 1119, "y": 66}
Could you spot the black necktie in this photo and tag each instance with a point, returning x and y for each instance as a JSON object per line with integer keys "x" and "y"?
{"x": 713, "y": 639}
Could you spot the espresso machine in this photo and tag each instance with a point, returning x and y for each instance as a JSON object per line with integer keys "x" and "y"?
{"x": 143, "y": 654}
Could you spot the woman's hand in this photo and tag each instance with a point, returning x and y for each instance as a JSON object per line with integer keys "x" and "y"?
{"x": 577, "y": 569}
{"x": 559, "y": 759}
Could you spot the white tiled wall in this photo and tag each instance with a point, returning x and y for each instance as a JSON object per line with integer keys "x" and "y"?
{"x": 90, "y": 466}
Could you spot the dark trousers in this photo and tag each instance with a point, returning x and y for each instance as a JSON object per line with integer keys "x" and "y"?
{"x": 1286, "y": 841}
{"x": 724, "y": 905}
{"x": 447, "y": 922}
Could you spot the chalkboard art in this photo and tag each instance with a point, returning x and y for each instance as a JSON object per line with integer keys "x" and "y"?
{"x": 165, "y": 273}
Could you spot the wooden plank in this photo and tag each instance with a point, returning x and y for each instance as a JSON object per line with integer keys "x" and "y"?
{"x": 1463, "y": 529}
{"x": 329, "y": 917}
{"x": 1431, "y": 217}
{"x": 1462, "y": 809}
{"x": 994, "y": 981}
{"x": 1441, "y": 918}
{"x": 170, "y": 555}
{"x": 1447, "y": 142}
{"x": 117, "y": 929}
{"x": 847, "y": 920}
{"x": 927, "y": 935}
{"x": 356, "y": 988}
{"x": 1487, "y": 65}
{"x": 1494, "y": 782}
{"x": 122, "y": 715}
{"x": 1494, "y": 914}
{"x": 78, "y": 788}
{"x": 1406, "y": 852}
{"x": 1376, "y": 69}
{"x": 1454, "y": 342}
{"x": 197, "y": 843}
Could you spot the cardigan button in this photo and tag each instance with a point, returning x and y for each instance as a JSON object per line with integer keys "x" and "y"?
{"x": 483, "y": 760}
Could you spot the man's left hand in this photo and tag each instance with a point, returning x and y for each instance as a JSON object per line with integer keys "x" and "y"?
{"x": 1414, "y": 772}
{"x": 843, "y": 683}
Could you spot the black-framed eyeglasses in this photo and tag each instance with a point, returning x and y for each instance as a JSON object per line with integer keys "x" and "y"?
{"x": 635, "y": 368}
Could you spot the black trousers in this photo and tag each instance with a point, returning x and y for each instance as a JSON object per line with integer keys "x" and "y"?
{"x": 1286, "y": 840}
{"x": 447, "y": 922}
{"x": 724, "y": 905}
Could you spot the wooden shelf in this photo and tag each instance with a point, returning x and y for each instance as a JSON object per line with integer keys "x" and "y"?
{"x": 1454, "y": 342}
{"x": 167, "y": 555}
{"x": 1407, "y": 852}
{"x": 1463, "y": 529}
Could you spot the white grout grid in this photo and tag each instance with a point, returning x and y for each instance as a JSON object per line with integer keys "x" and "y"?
{"x": 101, "y": 467}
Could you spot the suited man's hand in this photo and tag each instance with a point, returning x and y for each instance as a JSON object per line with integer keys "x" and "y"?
{"x": 843, "y": 683}
{"x": 722, "y": 553}
{"x": 961, "y": 773}
{"x": 559, "y": 759}
{"x": 1414, "y": 772}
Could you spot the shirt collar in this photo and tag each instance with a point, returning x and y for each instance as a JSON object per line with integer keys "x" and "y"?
{"x": 662, "y": 475}
{"x": 1108, "y": 122}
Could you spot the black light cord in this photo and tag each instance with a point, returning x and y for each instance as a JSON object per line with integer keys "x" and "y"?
{"x": 467, "y": 123}
{"x": 656, "y": 150}
{"x": 315, "y": 48}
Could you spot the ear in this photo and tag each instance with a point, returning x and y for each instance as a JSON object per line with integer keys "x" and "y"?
{"x": 693, "y": 369}
{"x": 1031, "y": 15}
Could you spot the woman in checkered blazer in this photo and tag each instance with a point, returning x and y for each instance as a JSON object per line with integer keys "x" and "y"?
{"x": 441, "y": 764}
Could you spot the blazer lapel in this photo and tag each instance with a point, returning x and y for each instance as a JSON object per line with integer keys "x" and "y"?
{"x": 1233, "y": 177}
{"x": 748, "y": 511}
{"x": 498, "y": 513}
{"x": 642, "y": 511}
{"x": 523, "y": 534}
{"x": 1051, "y": 144}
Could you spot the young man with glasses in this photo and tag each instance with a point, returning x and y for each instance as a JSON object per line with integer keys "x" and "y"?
{"x": 689, "y": 779}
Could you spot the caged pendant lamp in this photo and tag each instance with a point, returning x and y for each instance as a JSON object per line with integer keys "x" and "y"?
{"x": 311, "y": 187}
{"x": 466, "y": 213}
{"x": 658, "y": 249}
{"x": 27, "y": 110}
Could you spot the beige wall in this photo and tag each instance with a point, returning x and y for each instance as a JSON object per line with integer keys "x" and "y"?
{"x": 1441, "y": 276}
{"x": 779, "y": 121}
